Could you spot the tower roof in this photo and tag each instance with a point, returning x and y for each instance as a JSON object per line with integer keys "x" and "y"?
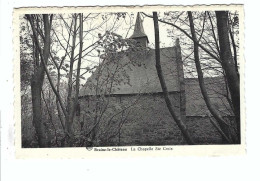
{"x": 139, "y": 29}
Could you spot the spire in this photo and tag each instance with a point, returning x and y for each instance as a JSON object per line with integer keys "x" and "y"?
{"x": 139, "y": 33}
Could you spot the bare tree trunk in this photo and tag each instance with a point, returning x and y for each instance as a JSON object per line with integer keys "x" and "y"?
{"x": 69, "y": 118}
{"x": 179, "y": 122}
{"x": 36, "y": 89}
{"x": 203, "y": 89}
{"x": 218, "y": 128}
{"x": 73, "y": 102}
{"x": 49, "y": 112}
{"x": 79, "y": 64}
{"x": 38, "y": 77}
{"x": 229, "y": 65}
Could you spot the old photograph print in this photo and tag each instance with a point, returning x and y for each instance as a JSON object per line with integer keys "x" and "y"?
{"x": 133, "y": 78}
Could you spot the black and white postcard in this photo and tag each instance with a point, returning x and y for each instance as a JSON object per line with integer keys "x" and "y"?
{"x": 129, "y": 81}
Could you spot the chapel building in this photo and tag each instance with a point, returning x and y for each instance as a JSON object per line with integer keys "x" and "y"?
{"x": 122, "y": 102}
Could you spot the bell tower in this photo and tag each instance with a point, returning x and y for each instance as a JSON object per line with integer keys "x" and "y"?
{"x": 139, "y": 34}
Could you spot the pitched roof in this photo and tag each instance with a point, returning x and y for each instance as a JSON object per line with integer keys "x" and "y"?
{"x": 133, "y": 73}
{"x": 139, "y": 29}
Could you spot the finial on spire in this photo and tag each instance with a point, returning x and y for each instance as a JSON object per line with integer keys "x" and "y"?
{"x": 139, "y": 33}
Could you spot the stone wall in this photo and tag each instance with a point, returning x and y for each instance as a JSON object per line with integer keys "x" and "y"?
{"x": 142, "y": 120}
{"x": 202, "y": 130}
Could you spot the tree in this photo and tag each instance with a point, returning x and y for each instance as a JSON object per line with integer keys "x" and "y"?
{"x": 74, "y": 78}
{"x": 41, "y": 58}
{"x": 210, "y": 54}
{"x": 179, "y": 122}
{"x": 64, "y": 65}
{"x": 229, "y": 64}
{"x": 201, "y": 80}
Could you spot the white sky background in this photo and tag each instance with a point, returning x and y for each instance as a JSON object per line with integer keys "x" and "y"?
{"x": 239, "y": 168}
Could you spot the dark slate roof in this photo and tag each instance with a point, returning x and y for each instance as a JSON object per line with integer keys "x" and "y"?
{"x": 195, "y": 104}
{"x": 139, "y": 29}
{"x": 135, "y": 73}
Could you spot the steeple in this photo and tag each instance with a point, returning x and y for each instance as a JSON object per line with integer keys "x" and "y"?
{"x": 139, "y": 34}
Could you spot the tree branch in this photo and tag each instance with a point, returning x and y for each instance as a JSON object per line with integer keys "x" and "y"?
{"x": 182, "y": 30}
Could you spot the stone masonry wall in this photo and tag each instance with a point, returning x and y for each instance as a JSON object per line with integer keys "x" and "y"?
{"x": 142, "y": 120}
